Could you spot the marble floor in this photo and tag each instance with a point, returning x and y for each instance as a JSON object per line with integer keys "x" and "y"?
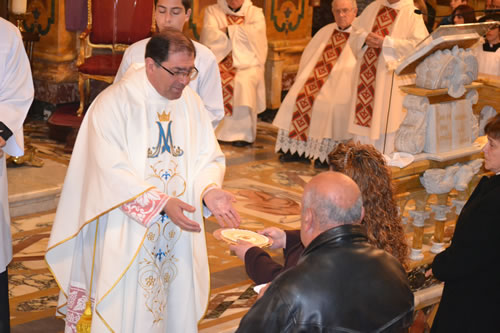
{"x": 268, "y": 194}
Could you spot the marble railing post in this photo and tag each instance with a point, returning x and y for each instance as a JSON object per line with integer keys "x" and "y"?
{"x": 419, "y": 215}
{"x": 440, "y": 210}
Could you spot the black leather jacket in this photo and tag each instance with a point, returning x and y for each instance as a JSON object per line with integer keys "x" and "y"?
{"x": 340, "y": 284}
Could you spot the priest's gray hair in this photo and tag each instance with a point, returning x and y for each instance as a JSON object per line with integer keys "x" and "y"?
{"x": 329, "y": 212}
{"x": 353, "y": 3}
{"x": 167, "y": 42}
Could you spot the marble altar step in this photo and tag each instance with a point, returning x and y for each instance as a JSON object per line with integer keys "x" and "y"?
{"x": 35, "y": 190}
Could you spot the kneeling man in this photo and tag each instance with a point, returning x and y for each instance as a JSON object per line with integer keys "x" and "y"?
{"x": 341, "y": 283}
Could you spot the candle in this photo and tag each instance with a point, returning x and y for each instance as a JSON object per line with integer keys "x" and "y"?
{"x": 18, "y": 6}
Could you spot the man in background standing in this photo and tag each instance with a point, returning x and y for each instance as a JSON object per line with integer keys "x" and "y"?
{"x": 16, "y": 95}
{"x": 384, "y": 32}
{"x": 235, "y": 30}
{"x": 314, "y": 116}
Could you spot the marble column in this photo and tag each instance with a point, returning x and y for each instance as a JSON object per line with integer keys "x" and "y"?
{"x": 54, "y": 70}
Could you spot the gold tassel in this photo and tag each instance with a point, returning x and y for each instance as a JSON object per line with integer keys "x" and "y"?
{"x": 85, "y": 322}
{"x": 83, "y": 325}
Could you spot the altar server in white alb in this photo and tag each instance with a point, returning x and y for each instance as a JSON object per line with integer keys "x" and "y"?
{"x": 313, "y": 117}
{"x": 16, "y": 95}
{"x": 145, "y": 171}
{"x": 174, "y": 14}
{"x": 235, "y": 30}
{"x": 386, "y": 31}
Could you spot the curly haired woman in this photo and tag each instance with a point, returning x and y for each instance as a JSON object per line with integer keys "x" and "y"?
{"x": 367, "y": 167}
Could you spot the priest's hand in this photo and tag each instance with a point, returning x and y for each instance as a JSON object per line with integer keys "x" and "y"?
{"x": 374, "y": 40}
{"x": 175, "y": 211}
{"x": 2, "y": 144}
{"x": 241, "y": 248}
{"x": 220, "y": 203}
{"x": 277, "y": 235}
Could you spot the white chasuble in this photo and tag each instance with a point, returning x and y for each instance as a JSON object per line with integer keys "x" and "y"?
{"x": 330, "y": 109}
{"x": 247, "y": 43}
{"x": 387, "y": 108}
{"x": 133, "y": 143}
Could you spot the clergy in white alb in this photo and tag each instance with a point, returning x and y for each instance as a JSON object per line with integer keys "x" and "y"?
{"x": 488, "y": 52}
{"x": 16, "y": 95}
{"x": 145, "y": 170}
{"x": 174, "y": 14}
{"x": 235, "y": 31}
{"x": 386, "y": 31}
{"x": 314, "y": 115}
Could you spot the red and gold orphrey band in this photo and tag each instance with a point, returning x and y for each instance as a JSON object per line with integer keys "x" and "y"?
{"x": 368, "y": 70}
{"x": 228, "y": 72}
{"x": 301, "y": 117}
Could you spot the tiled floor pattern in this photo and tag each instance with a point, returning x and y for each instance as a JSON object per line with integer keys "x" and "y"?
{"x": 268, "y": 194}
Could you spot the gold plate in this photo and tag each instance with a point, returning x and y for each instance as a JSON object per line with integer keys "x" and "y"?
{"x": 233, "y": 235}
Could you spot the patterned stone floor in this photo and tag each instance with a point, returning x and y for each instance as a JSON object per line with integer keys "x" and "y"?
{"x": 268, "y": 194}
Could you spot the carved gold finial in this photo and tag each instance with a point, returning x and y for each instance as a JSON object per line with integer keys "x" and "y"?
{"x": 163, "y": 116}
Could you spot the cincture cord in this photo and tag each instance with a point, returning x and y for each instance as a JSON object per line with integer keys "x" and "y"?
{"x": 85, "y": 322}
{"x": 388, "y": 113}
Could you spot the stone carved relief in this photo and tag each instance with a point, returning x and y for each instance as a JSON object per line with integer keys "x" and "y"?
{"x": 438, "y": 181}
{"x": 458, "y": 176}
{"x": 464, "y": 175}
{"x": 452, "y": 69}
{"x": 487, "y": 113}
{"x": 410, "y": 136}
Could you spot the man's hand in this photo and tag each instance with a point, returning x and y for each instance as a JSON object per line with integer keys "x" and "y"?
{"x": 277, "y": 235}
{"x": 374, "y": 40}
{"x": 2, "y": 144}
{"x": 220, "y": 204}
{"x": 241, "y": 248}
{"x": 175, "y": 211}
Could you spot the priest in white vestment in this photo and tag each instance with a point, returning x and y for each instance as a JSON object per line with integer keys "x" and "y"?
{"x": 314, "y": 115}
{"x": 235, "y": 31}
{"x": 174, "y": 14}
{"x": 488, "y": 52}
{"x": 386, "y": 31}
{"x": 16, "y": 95}
{"x": 146, "y": 169}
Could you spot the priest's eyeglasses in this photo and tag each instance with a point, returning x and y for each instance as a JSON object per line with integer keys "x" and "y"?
{"x": 192, "y": 74}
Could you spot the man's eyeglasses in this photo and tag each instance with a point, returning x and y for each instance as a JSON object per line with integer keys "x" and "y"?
{"x": 192, "y": 74}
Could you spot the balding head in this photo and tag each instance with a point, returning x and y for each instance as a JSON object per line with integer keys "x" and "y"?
{"x": 330, "y": 199}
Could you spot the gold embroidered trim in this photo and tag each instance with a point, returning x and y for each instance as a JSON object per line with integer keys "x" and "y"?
{"x": 71, "y": 237}
{"x": 98, "y": 216}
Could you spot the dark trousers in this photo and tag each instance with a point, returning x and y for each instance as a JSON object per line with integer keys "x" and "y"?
{"x": 4, "y": 303}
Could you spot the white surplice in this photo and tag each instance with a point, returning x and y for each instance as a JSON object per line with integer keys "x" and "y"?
{"x": 488, "y": 62}
{"x": 153, "y": 279}
{"x": 16, "y": 95}
{"x": 330, "y": 111}
{"x": 205, "y": 84}
{"x": 248, "y": 44}
{"x": 407, "y": 30}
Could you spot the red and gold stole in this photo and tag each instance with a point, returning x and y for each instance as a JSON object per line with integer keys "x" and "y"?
{"x": 368, "y": 70}
{"x": 228, "y": 72}
{"x": 301, "y": 117}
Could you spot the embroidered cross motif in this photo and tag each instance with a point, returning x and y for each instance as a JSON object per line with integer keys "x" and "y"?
{"x": 228, "y": 72}
{"x": 368, "y": 70}
{"x": 160, "y": 254}
{"x": 301, "y": 117}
